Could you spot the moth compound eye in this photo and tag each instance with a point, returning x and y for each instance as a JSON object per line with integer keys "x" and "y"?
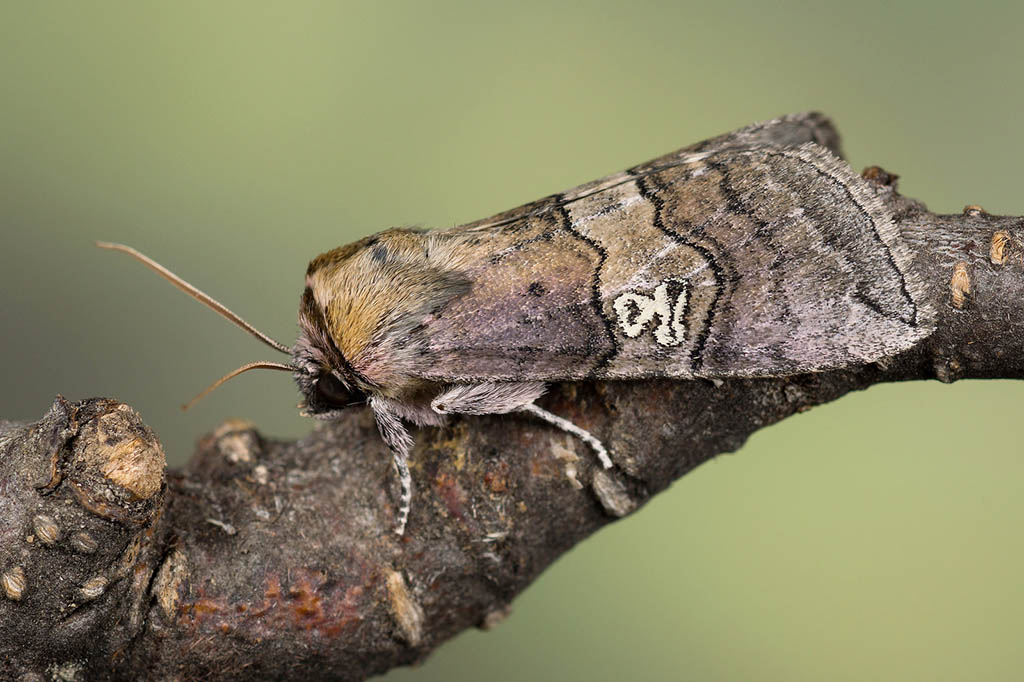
{"x": 332, "y": 392}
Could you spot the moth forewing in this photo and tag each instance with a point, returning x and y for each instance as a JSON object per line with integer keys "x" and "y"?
{"x": 744, "y": 262}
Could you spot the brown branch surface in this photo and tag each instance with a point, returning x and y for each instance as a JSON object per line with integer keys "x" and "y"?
{"x": 275, "y": 560}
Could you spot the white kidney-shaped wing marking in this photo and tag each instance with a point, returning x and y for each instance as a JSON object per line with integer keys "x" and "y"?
{"x": 636, "y": 311}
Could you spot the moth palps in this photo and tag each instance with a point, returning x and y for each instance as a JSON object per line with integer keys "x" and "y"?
{"x": 755, "y": 254}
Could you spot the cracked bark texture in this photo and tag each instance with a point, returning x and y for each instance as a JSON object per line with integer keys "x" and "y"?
{"x": 268, "y": 559}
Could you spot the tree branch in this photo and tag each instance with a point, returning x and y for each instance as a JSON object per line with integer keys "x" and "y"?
{"x": 268, "y": 559}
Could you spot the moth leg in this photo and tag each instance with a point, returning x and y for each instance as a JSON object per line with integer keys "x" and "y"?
{"x": 487, "y": 397}
{"x": 401, "y": 463}
{"x": 569, "y": 427}
{"x": 504, "y": 397}
{"x": 400, "y": 443}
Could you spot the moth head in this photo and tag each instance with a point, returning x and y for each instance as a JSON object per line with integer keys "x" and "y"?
{"x": 325, "y": 393}
{"x": 327, "y": 382}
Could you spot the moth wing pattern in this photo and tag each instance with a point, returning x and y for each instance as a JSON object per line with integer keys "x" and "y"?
{"x": 757, "y": 253}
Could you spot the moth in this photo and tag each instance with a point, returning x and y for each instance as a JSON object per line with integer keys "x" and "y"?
{"x": 759, "y": 253}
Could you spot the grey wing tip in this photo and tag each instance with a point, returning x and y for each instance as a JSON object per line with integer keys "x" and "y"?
{"x": 818, "y": 128}
{"x": 793, "y": 130}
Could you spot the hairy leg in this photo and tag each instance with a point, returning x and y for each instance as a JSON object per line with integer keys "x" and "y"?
{"x": 399, "y": 442}
{"x": 487, "y": 398}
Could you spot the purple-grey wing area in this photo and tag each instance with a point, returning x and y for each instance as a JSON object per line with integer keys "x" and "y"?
{"x": 733, "y": 257}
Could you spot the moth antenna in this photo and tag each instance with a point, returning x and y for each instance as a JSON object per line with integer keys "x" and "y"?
{"x": 195, "y": 293}
{"x": 235, "y": 373}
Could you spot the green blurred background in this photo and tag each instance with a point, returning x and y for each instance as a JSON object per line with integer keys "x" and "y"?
{"x": 875, "y": 538}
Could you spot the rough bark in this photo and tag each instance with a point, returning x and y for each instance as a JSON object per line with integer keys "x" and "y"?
{"x": 273, "y": 560}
